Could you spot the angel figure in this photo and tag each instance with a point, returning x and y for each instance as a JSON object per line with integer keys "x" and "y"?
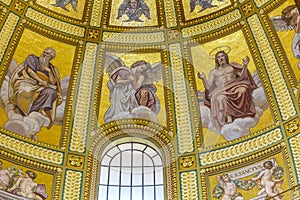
{"x": 289, "y": 20}
{"x": 134, "y": 9}
{"x": 132, "y": 92}
{"x": 64, "y": 3}
{"x": 228, "y": 188}
{"x": 265, "y": 181}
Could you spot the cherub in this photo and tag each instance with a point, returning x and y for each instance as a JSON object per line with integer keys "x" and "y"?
{"x": 26, "y": 187}
{"x": 266, "y": 181}
{"x": 229, "y": 188}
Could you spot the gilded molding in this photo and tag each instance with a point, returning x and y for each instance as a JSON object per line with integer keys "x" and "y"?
{"x": 260, "y": 3}
{"x": 133, "y": 38}
{"x": 53, "y": 23}
{"x": 183, "y": 117}
{"x": 96, "y": 13}
{"x": 82, "y": 108}
{"x": 211, "y": 25}
{"x": 279, "y": 51}
{"x": 189, "y": 185}
{"x": 242, "y": 148}
{"x": 294, "y": 143}
{"x": 30, "y": 150}
{"x": 283, "y": 97}
{"x": 133, "y": 128}
{"x": 6, "y": 2}
{"x": 6, "y": 33}
{"x": 170, "y": 13}
{"x": 72, "y": 189}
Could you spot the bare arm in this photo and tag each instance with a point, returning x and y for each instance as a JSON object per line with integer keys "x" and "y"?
{"x": 274, "y": 167}
{"x": 15, "y": 186}
{"x": 137, "y": 84}
{"x": 51, "y": 75}
{"x": 120, "y": 82}
{"x": 34, "y": 76}
{"x": 211, "y": 79}
{"x": 258, "y": 177}
{"x": 219, "y": 179}
{"x": 245, "y": 64}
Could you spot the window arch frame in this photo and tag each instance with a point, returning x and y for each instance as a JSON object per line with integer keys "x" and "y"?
{"x": 152, "y": 133}
{"x": 132, "y": 146}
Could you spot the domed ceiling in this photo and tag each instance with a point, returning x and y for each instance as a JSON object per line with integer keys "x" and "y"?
{"x": 212, "y": 85}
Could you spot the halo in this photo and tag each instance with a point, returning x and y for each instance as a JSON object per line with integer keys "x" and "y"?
{"x": 213, "y": 52}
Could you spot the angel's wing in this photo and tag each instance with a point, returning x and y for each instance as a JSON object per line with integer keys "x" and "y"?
{"x": 122, "y": 8}
{"x": 218, "y": 191}
{"x": 112, "y": 62}
{"x": 146, "y": 10}
{"x": 156, "y": 71}
{"x": 192, "y": 5}
{"x": 154, "y": 74}
{"x": 280, "y": 25}
{"x": 74, "y": 4}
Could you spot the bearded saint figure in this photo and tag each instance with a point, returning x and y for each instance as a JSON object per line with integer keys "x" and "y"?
{"x": 35, "y": 86}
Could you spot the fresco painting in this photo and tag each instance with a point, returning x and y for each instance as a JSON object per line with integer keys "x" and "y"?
{"x": 34, "y": 91}
{"x": 231, "y": 96}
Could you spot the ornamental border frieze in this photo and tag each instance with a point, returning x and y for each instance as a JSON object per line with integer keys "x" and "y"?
{"x": 132, "y": 128}
{"x": 189, "y": 185}
{"x": 31, "y": 150}
{"x": 3, "y": 12}
{"x": 96, "y": 13}
{"x": 278, "y": 48}
{"x": 214, "y": 24}
{"x": 170, "y": 13}
{"x": 134, "y": 38}
{"x": 183, "y": 120}
{"x": 106, "y": 16}
{"x": 103, "y": 48}
{"x": 72, "y": 187}
{"x": 55, "y": 24}
{"x": 241, "y": 148}
{"x": 282, "y": 94}
{"x": 82, "y": 22}
{"x": 83, "y": 99}
{"x": 279, "y": 148}
{"x": 6, "y": 2}
{"x": 295, "y": 149}
{"x": 201, "y": 19}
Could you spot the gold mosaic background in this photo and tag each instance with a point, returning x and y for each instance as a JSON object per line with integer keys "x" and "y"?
{"x": 66, "y": 157}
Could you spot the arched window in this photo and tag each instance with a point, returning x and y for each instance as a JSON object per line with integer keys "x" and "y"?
{"x": 131, "y": 171}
